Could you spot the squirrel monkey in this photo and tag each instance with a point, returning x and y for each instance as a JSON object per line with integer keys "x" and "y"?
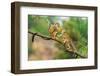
{"x": 57, "y": 32}
{"x": 54, "y": 30}
{"x": 68, "y": 42}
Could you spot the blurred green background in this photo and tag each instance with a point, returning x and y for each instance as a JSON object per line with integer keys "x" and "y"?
{"x": 76, "y": 27}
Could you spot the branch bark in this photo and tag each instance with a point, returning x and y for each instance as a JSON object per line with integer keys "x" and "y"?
{"x": 49, "y": 38}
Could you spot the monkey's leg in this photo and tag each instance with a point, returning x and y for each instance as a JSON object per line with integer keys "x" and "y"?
{"x": 72, "y": 44}
{"x": 54, "y": 35}
{"x": 67, "y": 45}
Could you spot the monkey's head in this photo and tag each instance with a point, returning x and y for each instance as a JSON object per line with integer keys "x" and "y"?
{"x": 56, "y": 25}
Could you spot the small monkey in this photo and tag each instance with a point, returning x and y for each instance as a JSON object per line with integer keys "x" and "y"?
{"x": 68, "y": 42}
{"x": 54, "y": 29}
{"x": 57, "y": 32}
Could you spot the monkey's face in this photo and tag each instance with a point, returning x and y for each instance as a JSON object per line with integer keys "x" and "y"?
{"x": 56, "y": 25}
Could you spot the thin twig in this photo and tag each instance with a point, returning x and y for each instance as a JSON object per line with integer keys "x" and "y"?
{"x": 49, "y": 38}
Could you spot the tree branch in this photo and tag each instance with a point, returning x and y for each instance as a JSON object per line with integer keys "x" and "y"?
{"x": 49, "y": 38}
